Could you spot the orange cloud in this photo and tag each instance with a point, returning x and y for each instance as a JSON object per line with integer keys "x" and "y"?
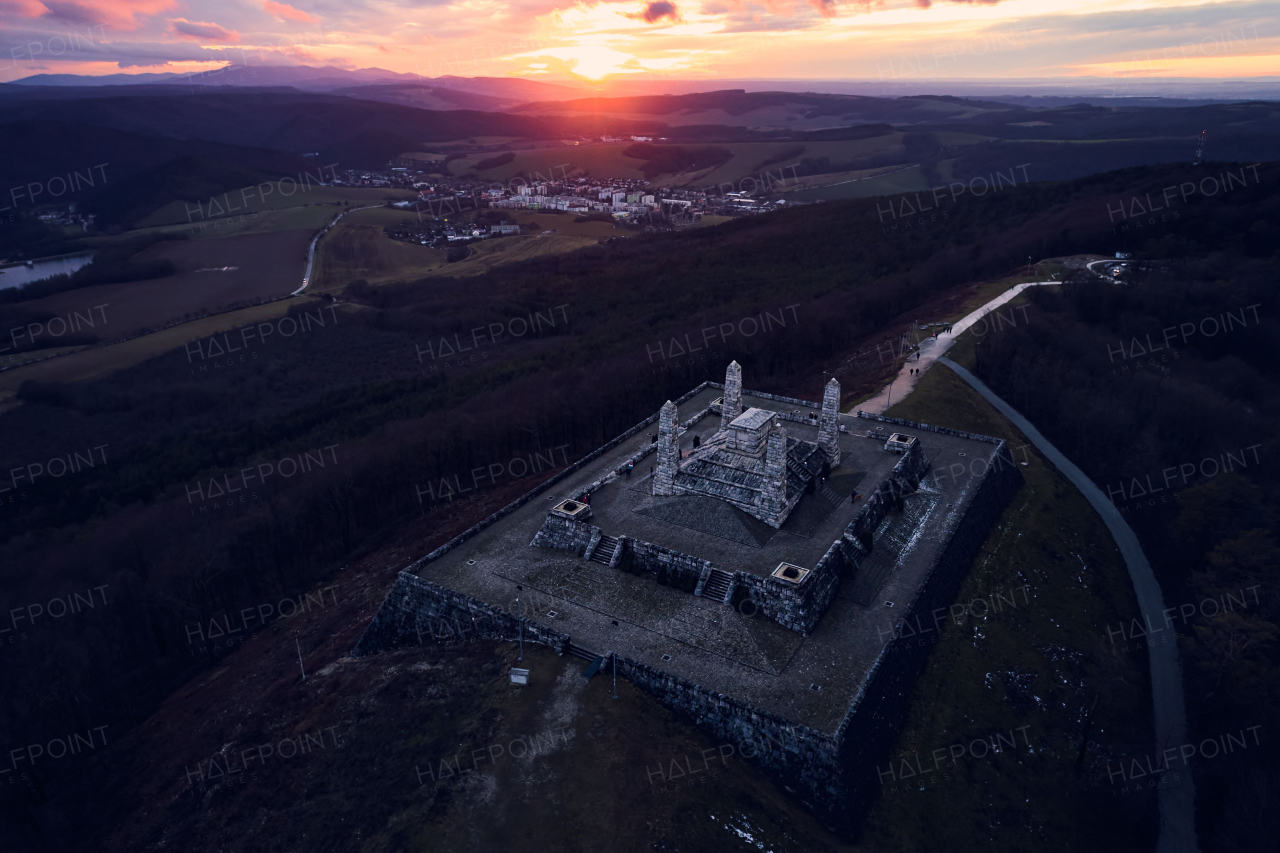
{"x": 285, "y": 12}
{"x": 203, "y": 31}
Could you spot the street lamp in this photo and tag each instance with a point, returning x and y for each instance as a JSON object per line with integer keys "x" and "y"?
{"x": 614, "y": 656}
{"x": 520, "y": 616}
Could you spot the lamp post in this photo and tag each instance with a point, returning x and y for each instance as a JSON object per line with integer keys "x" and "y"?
{"x": 890, "y": 403}
{"x": 614, "y": 658}
{"x": 520, "y": 616}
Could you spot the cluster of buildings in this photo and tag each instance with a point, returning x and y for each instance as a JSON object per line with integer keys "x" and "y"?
{"x": 441, "y": 232}
{"x": 628, "y": 200}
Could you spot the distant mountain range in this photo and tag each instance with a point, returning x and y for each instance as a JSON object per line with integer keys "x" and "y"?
{"x": 511, "y": 90}
{"x": 321, "y": 79}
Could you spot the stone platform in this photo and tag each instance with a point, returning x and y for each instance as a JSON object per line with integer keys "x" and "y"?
{"x": 820, "y": 684}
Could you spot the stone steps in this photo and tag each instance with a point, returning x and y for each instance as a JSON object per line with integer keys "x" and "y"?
{"x": 579, "y": 652}
{"x": 603, "y": 552}
{"x": 718, "y": 586}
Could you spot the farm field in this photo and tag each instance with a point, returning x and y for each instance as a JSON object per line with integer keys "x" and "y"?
{"x": 601, "y": 161}
{"x": 310, "y": 218}
{"x": 262, "y": 266}
{"x": 564, "y": 224}
{"x": 509, "y": 250}
{"x": 749, "y": 159}
{"x": 98, "y": 362}
{"x": 910, "y": 179}
{"x": 357, "y": 248}
{"x": 235, "y": 204}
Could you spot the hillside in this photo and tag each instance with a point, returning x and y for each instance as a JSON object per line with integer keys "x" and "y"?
{"x": 356, "y": 132}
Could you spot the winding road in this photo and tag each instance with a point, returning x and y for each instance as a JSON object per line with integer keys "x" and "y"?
{"x": 315, "y": 241}
{"x": 1177, "y": 802}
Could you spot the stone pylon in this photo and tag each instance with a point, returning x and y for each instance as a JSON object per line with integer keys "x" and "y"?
{"x": 731, "y": 404}
{"x": 828, "y": 422}
{"x": 773, "y": 497}
{"x": 664, "y": 474}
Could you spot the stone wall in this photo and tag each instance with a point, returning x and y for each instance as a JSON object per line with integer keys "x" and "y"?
{"x": 417, "y": 612}
{"x": 672, "y": 568}
{"x": 929, "y": 428}
{"x": 544, "y": 486}
{"x": 902, "y": 480}
{"x": 564, "y": 533}
{"x": 799, "y": 608}
{"x": 801, "y": 758}
{"x": 777, "y": 398}
{"x": 834, "y": 775}
{"x": 868, "y": 731}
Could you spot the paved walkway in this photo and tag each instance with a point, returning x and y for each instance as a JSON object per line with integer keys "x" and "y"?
{"x": 932, "y": 349}
{"x": 1177, "y": 802}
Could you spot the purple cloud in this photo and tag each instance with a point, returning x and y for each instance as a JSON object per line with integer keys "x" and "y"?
{"x": 658, "y": 10}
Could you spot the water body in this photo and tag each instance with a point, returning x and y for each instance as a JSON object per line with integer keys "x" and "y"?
{"x": 23, "y": 274}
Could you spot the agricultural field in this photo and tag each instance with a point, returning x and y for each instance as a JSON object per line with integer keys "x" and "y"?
{"x": 604, "y": 161}
{"x": 97, "y": 362}
{"x": 488, "y": 254}
{"x": 749, "y": 159}
{"x": 564, "y": 224}
{"x": 210, "y": 276}
{"x": 249, "y": 201}
{"x": 901, "y": 180}
{"x": 357, "y": 248}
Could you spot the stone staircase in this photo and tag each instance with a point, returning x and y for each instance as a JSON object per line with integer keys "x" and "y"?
{"x": 719, "y": 586}
{"x": 604, "y": 550}
{"x": 829, "y": 496}
{"x": 579, "y": 652}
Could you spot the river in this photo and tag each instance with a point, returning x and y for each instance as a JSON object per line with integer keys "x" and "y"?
{"x": 22, "y": 274}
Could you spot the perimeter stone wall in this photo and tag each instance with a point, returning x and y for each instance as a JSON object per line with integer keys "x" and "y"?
{"x": 802, "y": 758}
{"x": 834, "y": 775}
{"x": 868, "y": 731}
{"x": 417, "y": 612}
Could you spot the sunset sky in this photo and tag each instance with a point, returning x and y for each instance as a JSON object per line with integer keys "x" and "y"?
{"x": 592, "y": 41}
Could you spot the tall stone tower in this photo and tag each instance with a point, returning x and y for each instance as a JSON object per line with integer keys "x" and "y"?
{"x": 731, "y": 404}
{"x": 773, "y": 497}
{"x": 664, "y": 476}
{"x": 828, "y": 425}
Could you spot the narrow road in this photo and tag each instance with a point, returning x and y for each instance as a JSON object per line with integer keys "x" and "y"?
{"x": 1177, "y": 802}
{"x": 932, "y": 348}
{"x": 311, "y": 253}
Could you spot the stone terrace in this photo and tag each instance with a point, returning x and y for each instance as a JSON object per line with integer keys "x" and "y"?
{"x": 812, "y": 681}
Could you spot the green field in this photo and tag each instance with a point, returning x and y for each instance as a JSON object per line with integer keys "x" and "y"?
{"x": 235, "y": 205}
{"x": 209, "y": 276}
{"x": 101, "y": 361}
{"x": 488, "y": 254}
{"x": 357, "y": 248}
{"x": 1038, "y": 664}
{"x": 601, "y": 161}
{"x": 564, "y": 224}
{"x": 896, "y": 181}
{"x": 749, "y": 159}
